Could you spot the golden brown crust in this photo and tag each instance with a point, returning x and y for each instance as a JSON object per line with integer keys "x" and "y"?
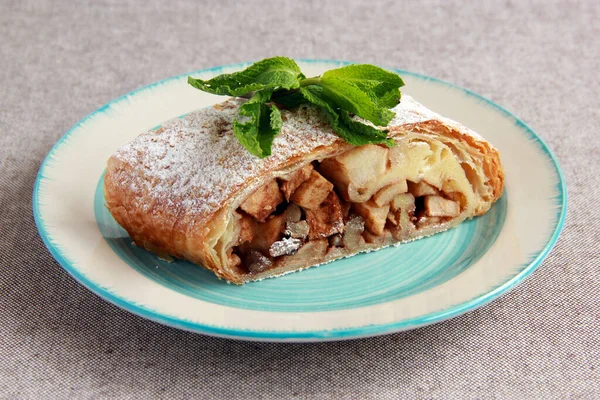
{"x": 166, "y": 229}
{"x": 166, "y": 226}
{"x": 490, "y": 156}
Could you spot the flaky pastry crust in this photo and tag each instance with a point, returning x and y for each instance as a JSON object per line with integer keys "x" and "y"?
{"x": 176, "y": 189}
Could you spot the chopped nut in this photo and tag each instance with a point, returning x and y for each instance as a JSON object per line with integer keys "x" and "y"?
{"x": 437, "y": 206}
{"x": 327, "y": 219}
{"x": 421, "y": 189}
{"x": 263, "y": 201}
{"x": 373, "y": 215}
{"x": 352, "y": 233}
{"x": 297, "y": 230}
{"x": 312, "y": 192}
{"x": 257, "y": 262}
{"x": 293, "y": 213}
{"x": 284, "y": 247}
{"x": 292, "y": 181}
{"x": 386, "y": 195}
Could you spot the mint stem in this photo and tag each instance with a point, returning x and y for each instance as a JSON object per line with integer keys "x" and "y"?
{"x": 310, "y": 81}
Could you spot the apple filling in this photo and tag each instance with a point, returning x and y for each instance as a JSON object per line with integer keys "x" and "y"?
{"x": 364, "y": 198}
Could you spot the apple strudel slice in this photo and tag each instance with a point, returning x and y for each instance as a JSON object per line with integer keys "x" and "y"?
{"x": 189, "y": 189}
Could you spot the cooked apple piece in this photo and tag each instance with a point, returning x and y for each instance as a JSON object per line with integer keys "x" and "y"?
{"x": 264, "y": 234}
{"x": 246, "y": 225}
{"x": 355, "y": 172}
{"x": 404, "y": 226}
{"x": 292, "y": 181}
{"x": 312, "y": 192}
{"x": 405, "y": 201}
{"x": 394, "y": 217}
{"x": 421, "y": 189}
{"x": 327, "y": 219}
{"x": 402, "y": 209}
{"x": 352, "y": 233}
{"x": 386, "y": 195}
{"x": 263, "y": 201}
{"x": 312, "y": 252}
{"x": 373, "y": 215}
{"x": 437, "y": 206}
{"x": 297, "y": 230}
{"x": 457, "y": 197}
{"x": 372, "y": 239}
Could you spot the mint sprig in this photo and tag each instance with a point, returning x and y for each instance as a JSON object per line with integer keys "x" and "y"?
{"x": 363, "y": 90}
{"x": 262, "y": 125}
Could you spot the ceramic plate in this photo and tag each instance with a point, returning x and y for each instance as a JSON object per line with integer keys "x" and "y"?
{"x": 390, "y": 290}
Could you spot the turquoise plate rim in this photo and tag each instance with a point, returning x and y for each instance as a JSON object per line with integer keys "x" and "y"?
{"x": 316, "y": 335}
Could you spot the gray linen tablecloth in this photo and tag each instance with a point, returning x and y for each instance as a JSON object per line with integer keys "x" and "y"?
{"x": 59, "y": 61}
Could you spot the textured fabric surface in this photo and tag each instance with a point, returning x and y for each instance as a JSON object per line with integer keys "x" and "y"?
{"x": 61, "y": 60}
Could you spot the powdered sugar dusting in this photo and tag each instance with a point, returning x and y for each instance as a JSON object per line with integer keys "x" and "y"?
{"x": 194, "y": 164}
{"x": 285, "y": 246}
{"x": 409, "y": 111}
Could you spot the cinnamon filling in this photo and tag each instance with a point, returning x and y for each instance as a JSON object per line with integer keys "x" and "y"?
{"x": 324, "y": 208}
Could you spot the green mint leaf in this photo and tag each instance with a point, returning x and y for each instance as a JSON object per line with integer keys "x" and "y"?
{"x": 275, "y": 121}
{"x": 363, "y": 90}
{"x": 270, "y": 73}
{"x": 288, "y": 99}
{"x": 269, "y": 126}
{"x": 270, "y": 129}
{"x": 262, "y": 96}
{"x": 257, "y": 124}
{"x": 366, "y": 133}
{"x": 381, "y": 85}
{"x": 348, "y": 96}
{"x": 247, "y": 133}
{"x": 353, "y": 132}
{"x": 388, "y": 99}
{"x": 314, "y": 95}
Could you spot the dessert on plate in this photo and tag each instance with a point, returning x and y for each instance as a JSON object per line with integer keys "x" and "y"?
{"x": 192, "y": 189}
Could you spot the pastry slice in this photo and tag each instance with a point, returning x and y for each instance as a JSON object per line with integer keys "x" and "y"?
{"x": 189, "y": 189}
